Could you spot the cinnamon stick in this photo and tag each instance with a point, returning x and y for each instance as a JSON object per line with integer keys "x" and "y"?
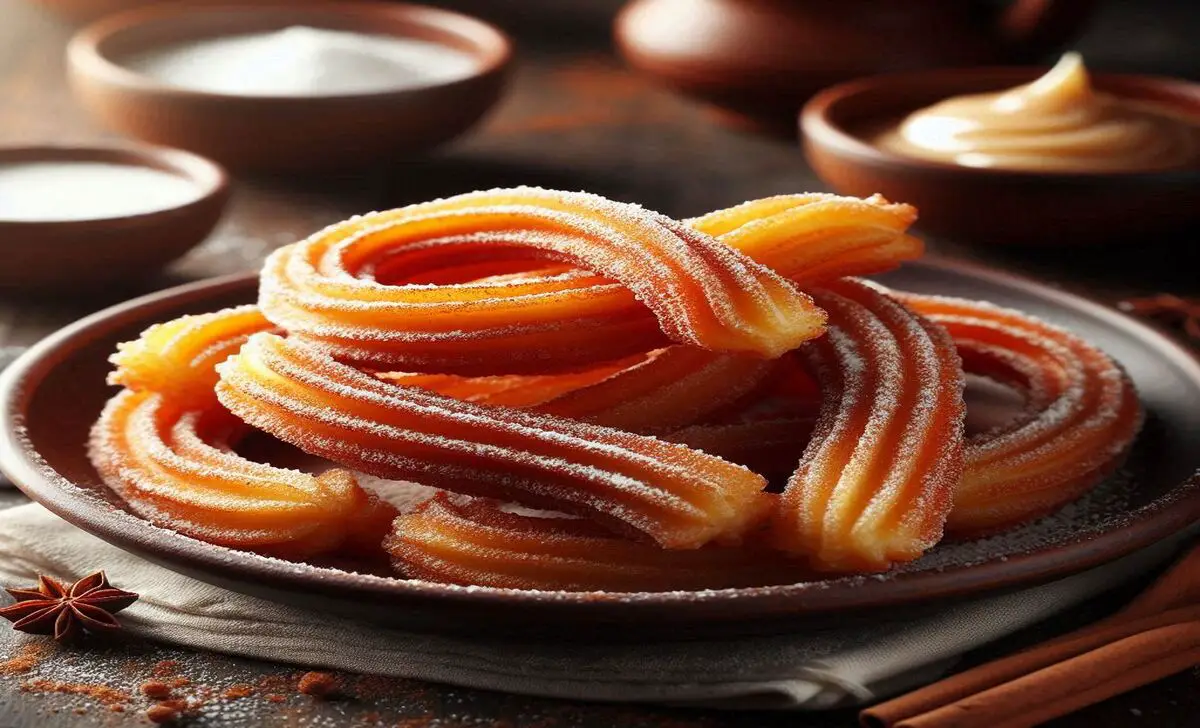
{"x": 1176, "y": 587}
{"x": 964, "y": 684}
{"x": 1163, "y": 603}
{"x": 1127, "y": 681}
{"x": 1072, "y": 684}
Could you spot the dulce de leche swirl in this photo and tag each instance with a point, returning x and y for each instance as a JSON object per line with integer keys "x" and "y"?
{"x": 1058, "y": 123}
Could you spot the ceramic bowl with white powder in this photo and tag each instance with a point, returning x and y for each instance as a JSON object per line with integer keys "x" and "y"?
{"x": 290, "y": 86}
{"x": 84, "y": 217}
{"x": 303, "y": 61}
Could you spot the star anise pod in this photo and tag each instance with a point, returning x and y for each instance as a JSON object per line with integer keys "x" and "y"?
{"x": 67, "y": 612}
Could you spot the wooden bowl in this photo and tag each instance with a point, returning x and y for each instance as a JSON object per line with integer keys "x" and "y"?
{"x": 52, "y": 256}
{"x": 52, "y": 395}
{"x": 995, "y": 206}
{"x": 285, "y": 133}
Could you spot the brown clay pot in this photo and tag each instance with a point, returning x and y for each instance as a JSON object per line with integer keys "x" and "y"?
{"x": 63, "y": 256}
{"x": 997, "y": 206}
{"x": 285, "y": 133}
{"x": 761, "y": 59}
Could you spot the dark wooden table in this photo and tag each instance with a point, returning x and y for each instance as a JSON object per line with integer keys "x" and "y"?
{"x": 574, "y": 119}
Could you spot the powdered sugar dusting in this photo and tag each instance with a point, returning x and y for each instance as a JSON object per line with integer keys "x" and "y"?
{"x": 874, "y": 484}
{"x": 325, "y": 408}
{"x": 404, "y": 495}
{"x": 701, "y": 291}
{"x": 1082, "y": 413}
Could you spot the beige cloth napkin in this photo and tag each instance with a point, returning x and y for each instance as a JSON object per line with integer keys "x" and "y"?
{"x": 835, "y": 668}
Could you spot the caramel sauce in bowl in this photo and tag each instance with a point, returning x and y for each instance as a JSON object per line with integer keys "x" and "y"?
{"x": 1081, "y": 202}
{"x": 1057, "y": 123}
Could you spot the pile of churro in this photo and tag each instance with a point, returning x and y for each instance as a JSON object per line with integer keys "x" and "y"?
{"x": 605, "y": 398}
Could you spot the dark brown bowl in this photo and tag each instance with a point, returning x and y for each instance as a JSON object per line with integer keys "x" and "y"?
{"x": 285, "y": 133}
{"x": 760, "y": 60}
{"x": 52, "y": 256}
{"x": 49, "y": 399}
{"x": 992, "y": 206}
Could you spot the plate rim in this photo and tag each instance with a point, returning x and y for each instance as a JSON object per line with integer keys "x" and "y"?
{"x": 1169, "y": 514}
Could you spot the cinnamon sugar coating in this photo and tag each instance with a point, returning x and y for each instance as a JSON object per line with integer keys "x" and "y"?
{"x": 653, "y": 382}
{"x": 476, "y": 542}
{"x": 639, "y": 485}
{"x": 874, "y": 483}
{"x": 530, "y": 280}
{"x": 176, "y": 468}
{"x": 1082, "y": 414}
{"x": 178, "y": 358}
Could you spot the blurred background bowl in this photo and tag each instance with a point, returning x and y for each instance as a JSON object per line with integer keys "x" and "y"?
{"x": 996, "y": 206}
{"x": 61, "y": 257}
{"x": 760, "y": 60}
{"x": 85, "y": 11}
{"x": 285, "y": 133}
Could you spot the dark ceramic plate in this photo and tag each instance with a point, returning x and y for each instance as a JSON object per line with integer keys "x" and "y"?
{"x": 8, "y": 354}
{"x": 51, "y": 396}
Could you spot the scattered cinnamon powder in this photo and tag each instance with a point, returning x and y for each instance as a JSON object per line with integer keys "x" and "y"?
{"x": 277, "y": 683}
{"x": 238, "y": 691}
{"x": 162, "y": 714}
{"x": 319, "y": 684}
{"x": 166, "y": 711}
{"x": 369, "y": 687}
{"x": 102, "y": 693}
{"x": 171, "y": 698}
{"x": 201, "y": 695}
{"x": 275, "y": 687}
{"x": 156, "y": 689}
{"x": 27, "y": 657}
